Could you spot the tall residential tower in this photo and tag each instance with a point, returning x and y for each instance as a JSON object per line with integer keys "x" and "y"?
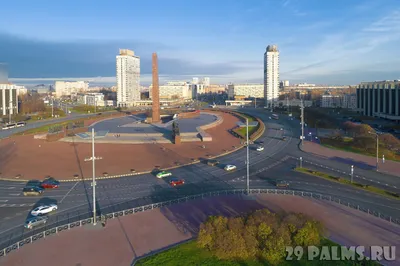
{"x": 128, "y": 78}
{"x": 271, "y": 76}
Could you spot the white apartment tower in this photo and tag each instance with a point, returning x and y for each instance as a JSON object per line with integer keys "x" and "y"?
{"x": 271, "y": 75}
{"x": 128, "y": 78}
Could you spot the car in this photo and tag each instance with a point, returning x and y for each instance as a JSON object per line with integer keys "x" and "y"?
{"x": 32, "y": 191}
{"x": 35, "y": 221}
{"x": 230, "y": 167}
{"x": 163, "y": 174}
{"x": 176, "y": 182}
{"x": 282, "y": 183}
{"x": 50, "y": 183}
{"x": 260, "y": 148}
{"x": 283, "y": 138}
{"x": 212, "y": 162}
{"x": 44, "y": 209}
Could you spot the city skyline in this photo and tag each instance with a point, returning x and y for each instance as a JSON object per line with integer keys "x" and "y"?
{"x": 320, "y": 42}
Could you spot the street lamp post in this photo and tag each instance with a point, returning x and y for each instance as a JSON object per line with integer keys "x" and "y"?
{"x": 377, "y": 149}
{"x": 93, "y": 159}
{"x": 302, "y": 123}
{"x": 52, "y": 106}
{"x": 248, "y": 157}
{"x": 301, "y": 162}
{"x": 352, "y": 174}
{"x": 9, "y": 112}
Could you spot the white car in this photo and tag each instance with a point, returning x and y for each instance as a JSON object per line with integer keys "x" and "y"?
{"x": 44, "y": 209}
{"x": 230, "y": 167}
{"x": 260, "y": 148}
{"x": 163, "y": 174}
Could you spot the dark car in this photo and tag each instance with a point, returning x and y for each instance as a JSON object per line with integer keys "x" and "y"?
{"x": 32, "y": 191}
{"x": 212, "y": 162}
{"x": 50, "y": 183}
{"x": 282, "y": 184}
{"x": 176, "y": 182}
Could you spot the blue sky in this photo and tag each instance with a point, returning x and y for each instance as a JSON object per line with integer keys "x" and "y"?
{"x": 329, "y": 42}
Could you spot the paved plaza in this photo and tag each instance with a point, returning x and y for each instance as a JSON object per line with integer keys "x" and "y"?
{"x": 35, "y": 159}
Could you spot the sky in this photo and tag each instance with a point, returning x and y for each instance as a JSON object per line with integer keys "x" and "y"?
{"x": 325, "y": 42}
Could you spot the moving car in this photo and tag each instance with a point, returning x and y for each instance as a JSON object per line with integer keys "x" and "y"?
{"x": 260, "y": 148}
{"x": 212, "y": 162}
{"x": 163, "y": 174}
{"x": 32, "y": 191}
{"x": 44, "y": 209}
{"x": 283, "y": 138}
{"x": 50, "y": 183}
{"x": 282, "y": 184}
{"x": 230, "y": 167}
{"x": 176, "y": 182}
{"x": 35, "y": 221}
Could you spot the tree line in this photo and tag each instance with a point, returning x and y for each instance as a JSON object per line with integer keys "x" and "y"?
{"x": 260, "y": 235}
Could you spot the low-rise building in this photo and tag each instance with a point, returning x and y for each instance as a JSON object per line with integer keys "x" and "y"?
{"x": 174, "y": 90}
{"x": 331, "y": 101}
{"x": 93, "y": 99}
{"x": 245, "y": 90}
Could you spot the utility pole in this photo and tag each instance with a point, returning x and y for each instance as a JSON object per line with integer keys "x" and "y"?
{"x": 302, "y": 122}
{"x": 377, "y": 151}
{"x": 301, "y": 162}
{"x": 352, "y": 174}
{"x": 52, "y": 106}
{"x": 248, "y": 157}
{"x": 93, "y": 159}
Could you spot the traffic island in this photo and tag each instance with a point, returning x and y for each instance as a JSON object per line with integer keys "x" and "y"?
{"x": 344, "y": 181}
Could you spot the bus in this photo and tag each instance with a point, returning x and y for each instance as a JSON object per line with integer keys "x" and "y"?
{"x": 9, "y": 126}
{"x": 275, "y": 116}
{"x": 20, "y": 124}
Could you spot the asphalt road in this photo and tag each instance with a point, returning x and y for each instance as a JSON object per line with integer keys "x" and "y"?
{"x": 275, "y": 162}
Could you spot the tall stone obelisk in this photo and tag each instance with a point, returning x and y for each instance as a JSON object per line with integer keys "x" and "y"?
{"x": 155, "y": 94}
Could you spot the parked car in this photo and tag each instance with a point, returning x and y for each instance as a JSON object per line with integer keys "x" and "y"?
{"x": 35, "y": 221}
{"x": 282, "y": 184}
{"x": 230, "y": 167}
{"x": 32, "y": 191}
{"x": 283, "y": 138}
{"x": 50, "y": 183}
{"x": 163, "y": 174}
{"x": 176, "y": 182}
{"x": 44, "y": 209}
{"x": 212, "y": 162}
{"x": 260, "y": 148}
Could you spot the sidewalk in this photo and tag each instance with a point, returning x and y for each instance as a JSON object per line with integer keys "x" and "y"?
{"x": 132, "y": 236}
{"x": 390, "y": 167}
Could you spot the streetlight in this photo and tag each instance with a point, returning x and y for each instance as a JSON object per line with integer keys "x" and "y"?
{"x": 301, "y": 162}
{"x": 352, "y": 174}
{"x": 248, "y": 157}
{"x": 93, "y": 159}
{"x": 52, "y": 106}
{"x": 9, "y": 111}
{"x": 377, "y": 148}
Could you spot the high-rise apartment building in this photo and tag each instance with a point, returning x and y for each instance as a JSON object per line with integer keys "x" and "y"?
{"x": 271, "y": 75}
{"x": 68, "y": 88}
{"x": 128, "y": 78}
{"x": 206, "y": 81}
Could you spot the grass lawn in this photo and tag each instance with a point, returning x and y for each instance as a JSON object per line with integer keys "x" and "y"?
{"x": 348, "y": 182}
{"x": 242, "y": 131}
{"x": 190, "y": 254}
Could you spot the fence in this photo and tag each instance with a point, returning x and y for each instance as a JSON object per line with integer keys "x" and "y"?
{"x": 88, "y": 220}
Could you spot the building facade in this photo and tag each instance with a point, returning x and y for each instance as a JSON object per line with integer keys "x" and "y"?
{"x": 379, "y": 99}
{"x": 271, "y": 75}
{"x": 128, "y": 78}
{"x": 91, "y": 99}
{"x": 245, "y": 91}
{"x": 69, "y": 88}
{"x": 349, "y": 101}
{"x": 174, "y": 90}
{"x": 9, "y": 99}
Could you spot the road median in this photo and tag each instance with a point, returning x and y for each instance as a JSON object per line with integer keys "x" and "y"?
{"x": 344, "y": 181}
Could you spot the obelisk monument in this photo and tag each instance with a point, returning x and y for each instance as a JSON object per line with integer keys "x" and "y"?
{"x": 155, "y": 93}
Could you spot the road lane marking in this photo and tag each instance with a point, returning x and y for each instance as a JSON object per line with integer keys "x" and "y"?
{"x": 15, "y": 194}
{"x": 69, "y": 191}
{"x": 3, "y": 200}
{"x": 11, "y": 187}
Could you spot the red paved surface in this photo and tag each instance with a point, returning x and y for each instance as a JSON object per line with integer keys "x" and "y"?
{"x": 390, "y": 167}
{"x": 135, "y": 235}
{"x": 36, "y": 159}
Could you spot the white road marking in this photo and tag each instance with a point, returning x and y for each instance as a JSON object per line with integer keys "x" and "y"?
{"x": 69, "y": 191}
{"x": 15, "y": 194}
{"x": 11, "y": 187}
{"x": 3, "y": 200}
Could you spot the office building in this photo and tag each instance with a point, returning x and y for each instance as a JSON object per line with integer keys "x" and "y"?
{"x": 174, "y": 90}
{"x": 379, "y": 99}
{"x": 128, "y": 78}
{"x": 271, "y": 75}
{"x": 70, "y": 88}
{"x": 349, "y": 101}
{"x": 236, "y": 91}
{"x": 9, "y": 98}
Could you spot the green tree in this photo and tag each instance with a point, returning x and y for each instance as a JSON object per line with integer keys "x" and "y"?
{"x": 309, "y": 235}
{"x": 230, "y": 245}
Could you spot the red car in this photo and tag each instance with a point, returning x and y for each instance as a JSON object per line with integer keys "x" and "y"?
{"x": 50, "y": 183}
{"x": 176, "y": 182}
